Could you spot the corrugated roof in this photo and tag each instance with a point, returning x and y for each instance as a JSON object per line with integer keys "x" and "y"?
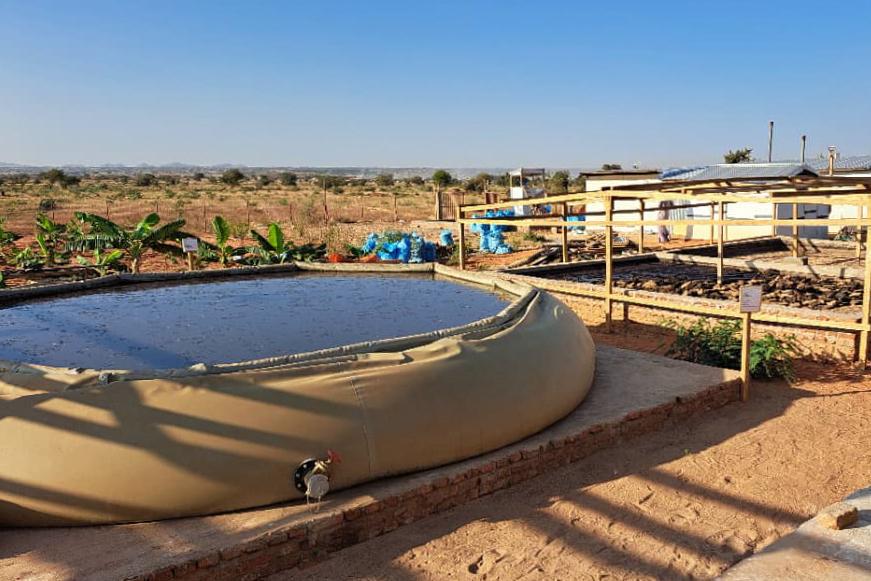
{"x": 731, "y": 171}
{"x": 852, "y": 163}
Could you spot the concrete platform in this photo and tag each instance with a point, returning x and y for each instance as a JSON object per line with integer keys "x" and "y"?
{"x": 634, "y": 393}
{"x": 814, "y": 552}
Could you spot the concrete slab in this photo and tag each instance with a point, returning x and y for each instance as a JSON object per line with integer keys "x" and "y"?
{"x": 634, "y": 393}
{"x": 814, "y": 552}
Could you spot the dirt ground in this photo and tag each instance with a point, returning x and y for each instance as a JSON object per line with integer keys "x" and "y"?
{"x": 684, "y": 503}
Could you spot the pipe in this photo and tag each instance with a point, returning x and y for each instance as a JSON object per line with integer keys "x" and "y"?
{"x": 803, "y": 147}
{"x": 831, "y": 160}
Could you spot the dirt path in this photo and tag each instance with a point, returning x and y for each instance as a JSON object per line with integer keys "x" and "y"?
{"x": 683, "y": 503}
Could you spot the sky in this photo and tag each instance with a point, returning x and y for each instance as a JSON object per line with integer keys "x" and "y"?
{"x": 429, "y": 83}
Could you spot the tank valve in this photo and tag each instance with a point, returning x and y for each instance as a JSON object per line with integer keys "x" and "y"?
{"x": 312, "y": 477}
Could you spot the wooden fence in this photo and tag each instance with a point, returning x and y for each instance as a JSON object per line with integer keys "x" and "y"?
{"x": 717, "y": 195}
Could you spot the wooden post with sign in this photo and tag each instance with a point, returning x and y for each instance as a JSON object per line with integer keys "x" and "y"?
{"x": 750, "y": 302}
{"x": 189, "y": 246}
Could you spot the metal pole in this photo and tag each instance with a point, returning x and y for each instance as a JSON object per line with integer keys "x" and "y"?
{"x": 770, "y": 139}
{"x": 803, "y": 147}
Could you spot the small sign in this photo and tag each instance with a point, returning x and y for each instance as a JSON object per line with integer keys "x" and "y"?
{"x": 190, "y": 244}
{"x": 751, "y": 299}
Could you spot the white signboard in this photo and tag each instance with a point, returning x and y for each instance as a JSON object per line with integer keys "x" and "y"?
{"x": 751, "y": 299}
{"x": 189, "y": 244}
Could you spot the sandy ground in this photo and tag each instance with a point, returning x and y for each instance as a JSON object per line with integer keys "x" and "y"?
{"x": 686, "y": 502}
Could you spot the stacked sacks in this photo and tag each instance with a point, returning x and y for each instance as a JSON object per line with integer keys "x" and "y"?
{"x": 399, "y": 246}
{"x": 492, "y": 237}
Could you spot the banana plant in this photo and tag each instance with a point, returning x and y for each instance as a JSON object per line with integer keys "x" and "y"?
{"x": 275, "y": 249}
{"x": 103, "y": 261}
{"x": 133, "y": 242}
{"x": 223, "y": 250}
{"x": 50, "y": 237}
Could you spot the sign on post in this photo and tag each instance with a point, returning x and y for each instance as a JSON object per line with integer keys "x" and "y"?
{"x": 190, "y": 244}
{"x": 751, "y": 299}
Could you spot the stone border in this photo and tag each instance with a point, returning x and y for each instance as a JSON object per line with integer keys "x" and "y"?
{"x": 332, "y": 530}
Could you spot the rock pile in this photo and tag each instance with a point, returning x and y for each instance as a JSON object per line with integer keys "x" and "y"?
{"x": 785, "y": 289}
{"x": 791, "y": 290}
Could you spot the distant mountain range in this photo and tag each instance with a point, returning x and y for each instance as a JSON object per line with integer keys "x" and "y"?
{"x": 185, "y": 168}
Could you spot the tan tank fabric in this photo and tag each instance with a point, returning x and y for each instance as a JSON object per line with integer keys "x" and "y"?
{"x": 146, "y": 449}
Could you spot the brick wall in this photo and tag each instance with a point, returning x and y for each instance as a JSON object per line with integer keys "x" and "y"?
{"x": 332, "y": 530}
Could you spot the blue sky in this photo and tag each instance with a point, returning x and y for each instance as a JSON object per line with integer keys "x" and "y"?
{"x": 453, "y": 84}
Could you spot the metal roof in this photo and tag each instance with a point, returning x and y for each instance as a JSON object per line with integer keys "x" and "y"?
{"x": 853, "y": 163}
{"x": 731, "y": 171}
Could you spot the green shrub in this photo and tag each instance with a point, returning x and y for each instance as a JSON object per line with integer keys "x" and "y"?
{"x": 719, "y": 345}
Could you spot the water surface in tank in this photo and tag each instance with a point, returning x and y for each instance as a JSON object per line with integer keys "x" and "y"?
{"x": 153, "y": 326}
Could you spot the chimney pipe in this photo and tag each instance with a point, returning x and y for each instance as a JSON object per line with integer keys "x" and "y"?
{"x": 770, "y": 139}
{"x": 803, "y": 147}
{"x": 831, "y": 160}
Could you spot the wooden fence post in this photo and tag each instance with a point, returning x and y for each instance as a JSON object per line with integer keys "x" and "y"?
{"x": 721, "y": 214}
{"x": 866, "y": 304}
{"x": 565, "y": 233}
{"x": 795, "y": 231}
{"x": 609, "y": 255}
{"x": 461, "y": 239}
{"x": 711, "y": 231}
{"x": 641, "y": 226}
{"x": 745, "y": 356}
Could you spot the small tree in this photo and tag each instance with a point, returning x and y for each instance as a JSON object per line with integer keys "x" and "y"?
{"x": 145, "y": 180}
{"x": 479, "y": 182}
{"x": 55, "y": 176}
{"x": 414, "y": 181}
{"x": 442, "y": 178}
{"x": 232, "y": 177}
{"x": 559, "y": 182}
{"x": 738, "y": 156}
{"x": 263, "y": 181}
{"x": 287, "y": 178}
{"x": 385, "y": 180}
{"x": 198, "y": 176}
